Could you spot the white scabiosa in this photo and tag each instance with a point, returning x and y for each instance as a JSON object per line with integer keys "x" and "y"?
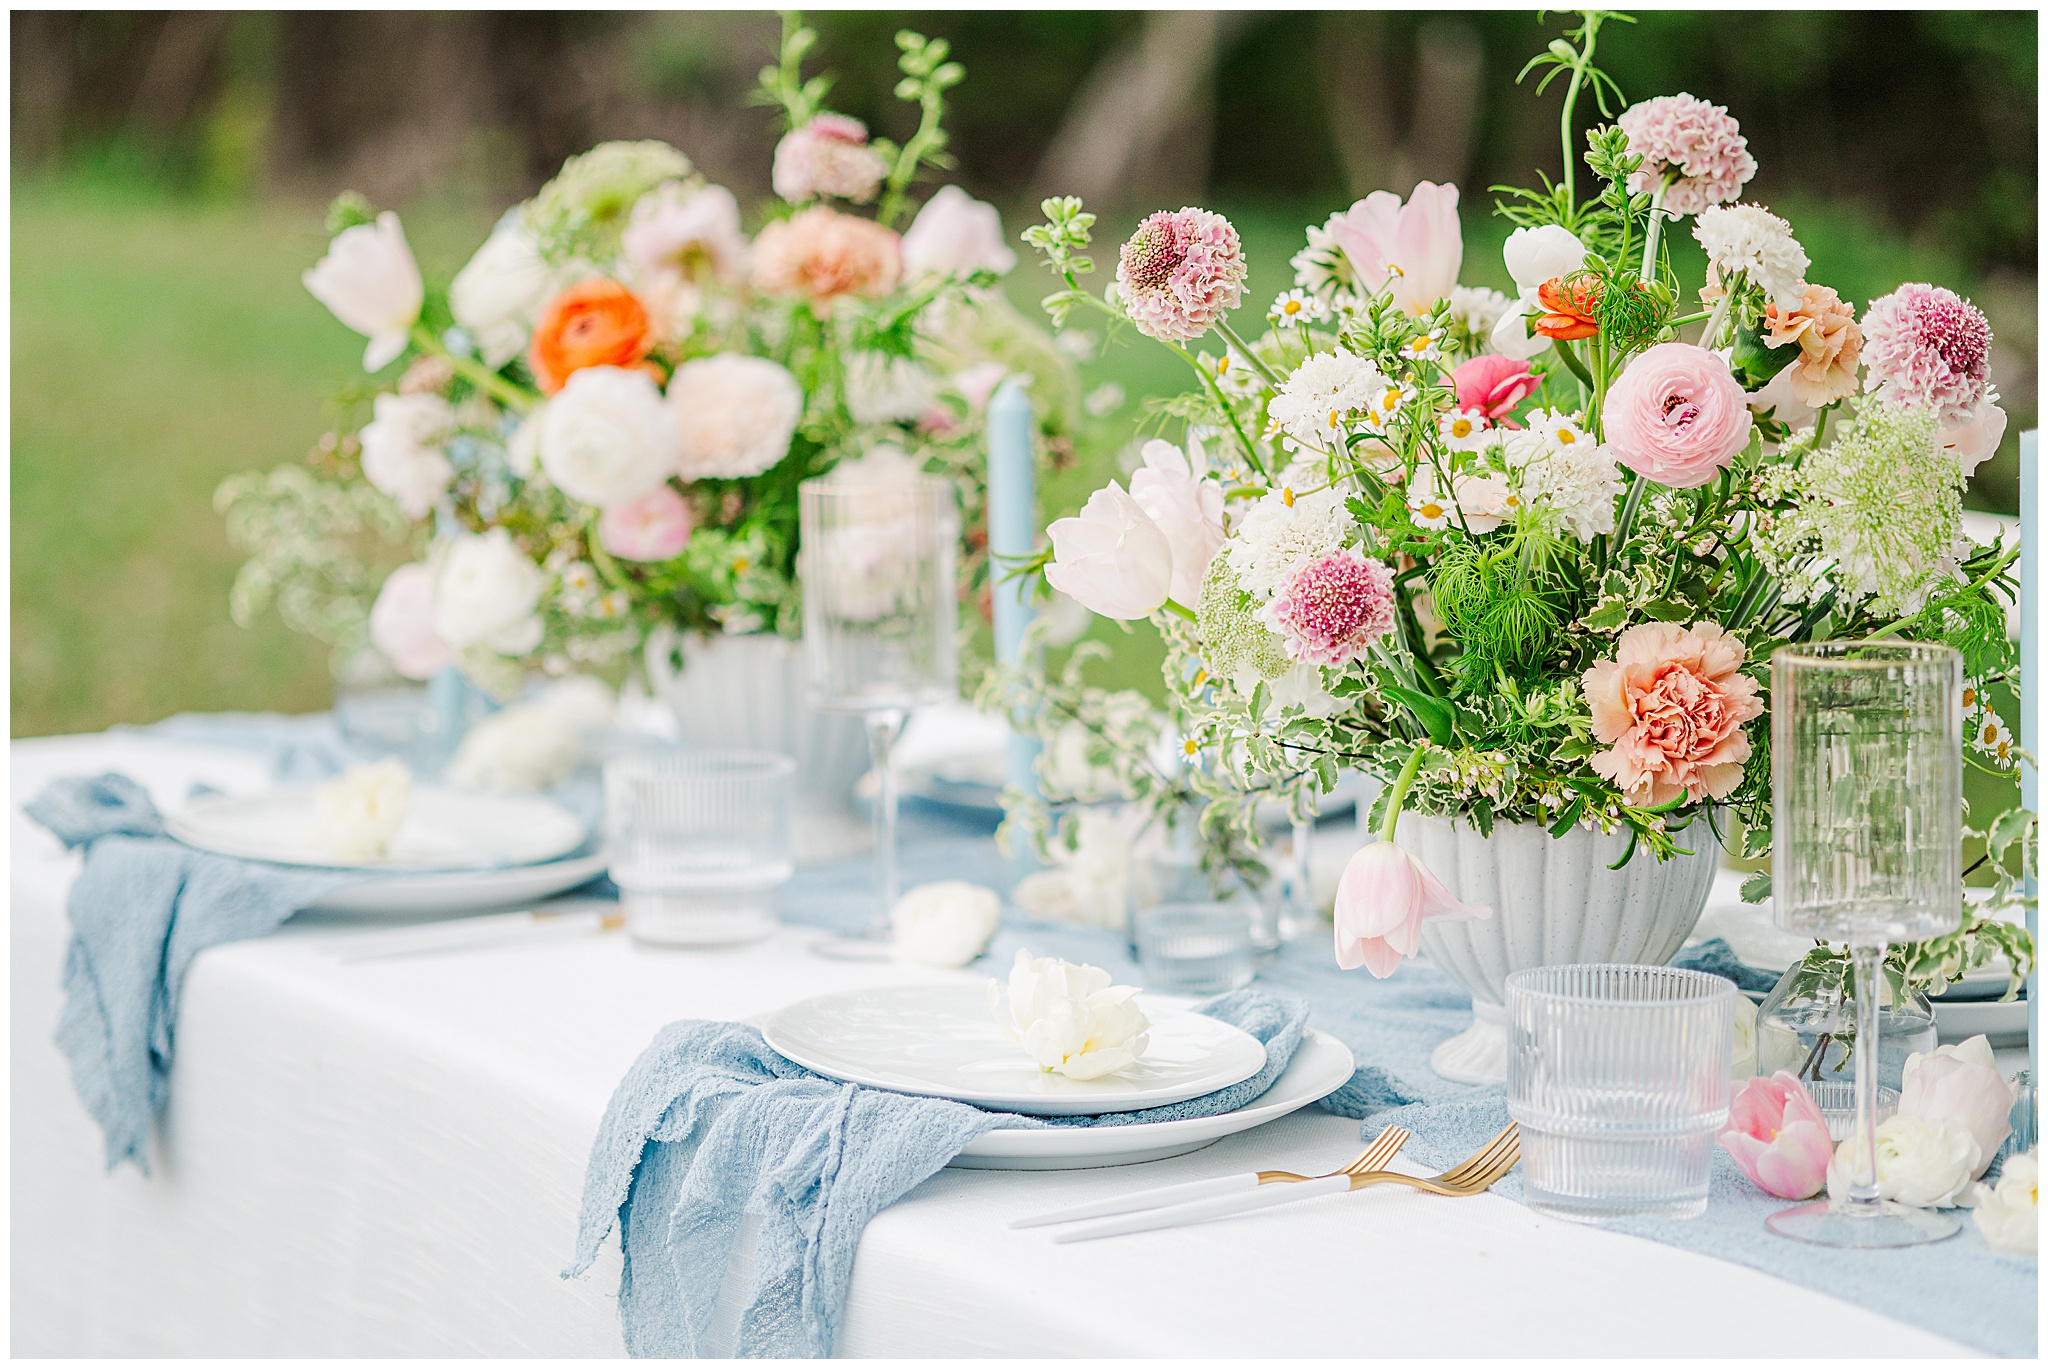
{"x": 1323, "y": 393}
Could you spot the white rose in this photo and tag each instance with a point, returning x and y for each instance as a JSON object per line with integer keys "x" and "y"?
{"x": 363, "y": 808}
{"x": 1069, "y": 1018}
{"x": 1112, "y": 557}
{"x": 402, "y": 623}
{"x": 1961, "y": 1084}
{"x": 734, "y": 415}
{"x": 607, "y": 438}
{"x": 956, "y": 235}
{"x": 486, "y": 592}
{"x": 945, "y": 924}
{"x": 499, "y": 295}
{"x": 402, "y": 450}
{"x": 886, "y": 389}
{"x": 2006, "y": 1215}
{"x": 693, "y": 234}
{"x": 1188, "y": 509}
{"x": 372, "y": 284}
{"x": 1921, "y": 1162}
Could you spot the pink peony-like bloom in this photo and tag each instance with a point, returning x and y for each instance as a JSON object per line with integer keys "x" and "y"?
{"x": 1829, "y": 341}
{"x": 1923, "y": 344}
{"x": 825, "y": 256}
{"x": 1494, "y": 385}
{"x": 1413, "y": 249}
{"x": 1777, "y": 1137}
{"x": 827, "y": 156}
{"x": 1181, "y": 273}
{"x": 1383, "y": 898}
{"x": 1975, "y": 440}
{"x": 1670, "y": 706}
{"x": 402, "y": 623}
{"x": 654, "y": 527}
{"x": 1332, "y": 609}
{"x": 1676, "y": 416}
{"x": 1693, "y": 141}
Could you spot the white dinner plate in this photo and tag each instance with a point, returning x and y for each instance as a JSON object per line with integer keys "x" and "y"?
{"x": 445, "y": 829}
{"x": 941, "y": 1041}
{"x": 2004, "y": 1023}
{"x": 461, "y": 891}
{"x": 1320, "y": 1066}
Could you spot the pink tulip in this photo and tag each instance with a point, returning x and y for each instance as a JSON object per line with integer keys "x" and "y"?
{"x": 1494, "y": 385}
{"x": 1777, "y": 1137}
{"x": 1416, "y": 248}
{"x": 1382, "y": 899}
{"x": 654, "y": 527}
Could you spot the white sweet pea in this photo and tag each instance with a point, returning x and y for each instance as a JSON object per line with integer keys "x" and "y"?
{"x": 1186, "y": 508}
{"x": 956, "y": 235}
{"x": 1961, "y": 1084}
{"x": 361, "y": 810}
{"x": 486, "y": 592}
{"x": 370, "y": 281}
{"x": 944, "y": 924}
{"x": 607, "y": 438}
{"x": 2007, "y": 1215}
{"x": 1921, "y": 1162}
{"x": 1069, "y": 1018}
{"x": 499, "y": 295}
{"x": 1976, "y": 440}
{"x": 403, "y": 452}
{"x": 1533, "y": 256}
{"x": 1112, "y": 557}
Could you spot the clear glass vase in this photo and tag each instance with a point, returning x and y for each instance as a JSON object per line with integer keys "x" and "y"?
{"x": 1807, "y": 1027}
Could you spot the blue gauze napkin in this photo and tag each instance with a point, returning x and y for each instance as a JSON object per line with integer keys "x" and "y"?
{"x": 735, "y": 1175}
{"x": 140, "y": 910}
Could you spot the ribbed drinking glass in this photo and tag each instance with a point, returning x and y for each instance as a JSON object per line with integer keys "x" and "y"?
{"x": 699, "y": 843}
{"x": 1866, "y": 848}
{"x": 1618, "y": 1077}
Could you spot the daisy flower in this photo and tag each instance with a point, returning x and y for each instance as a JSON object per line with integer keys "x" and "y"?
{"x": 1297, "y": 307}
{"x": 1466, "y": 430}
{"x": 1424, "y": 346}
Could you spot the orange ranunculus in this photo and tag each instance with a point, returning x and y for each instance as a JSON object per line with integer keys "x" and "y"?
{"x": 596, "y": 322}
{"x": 1569, "y": 310}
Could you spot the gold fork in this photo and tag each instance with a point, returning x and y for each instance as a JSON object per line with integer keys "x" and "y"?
{"x": 1385, "y": 1147}
{"x": 1463, "y": 1180}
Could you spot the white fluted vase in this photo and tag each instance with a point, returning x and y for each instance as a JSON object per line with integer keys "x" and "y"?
{"x": 1554, "y": 902}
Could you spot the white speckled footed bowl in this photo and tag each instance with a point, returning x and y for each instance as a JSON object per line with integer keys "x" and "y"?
{"x": 1554, "y": 902}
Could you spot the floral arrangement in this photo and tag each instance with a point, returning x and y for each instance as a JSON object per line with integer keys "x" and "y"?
{"x": 1526, "y": 558}
{"x": 603, "y": 419}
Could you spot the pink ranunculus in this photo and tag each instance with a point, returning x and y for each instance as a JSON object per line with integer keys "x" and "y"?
{"x": 654, "y": 527}
{"x": 828, "y": 156}
{"x": 1676, "y": 416}
{"x": 1777, "y": 1137}
{"x": 1382, "y": 900}
{"x": 1494, "y": 385}
{"x": 1961, "y": 1084}
{"x": 1414, "y": 248}
{"x": 1670, "y": 706}
{"x": 402, "y": 623}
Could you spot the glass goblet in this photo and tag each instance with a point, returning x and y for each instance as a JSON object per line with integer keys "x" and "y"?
{"x": 1867, "y": 787}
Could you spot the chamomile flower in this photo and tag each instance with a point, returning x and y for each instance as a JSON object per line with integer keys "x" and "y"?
{"x": 1990, "y": 735}
{"x": 1556, "y": 427}
{"x": 1297, "y": 307}
{"x": 1234, "y": 376}
{"x": 1387, "y": 405}
{"x": 1427, "y": 508}
{"x": 1427, "y": 346}
{"x": 1466, "y": 430}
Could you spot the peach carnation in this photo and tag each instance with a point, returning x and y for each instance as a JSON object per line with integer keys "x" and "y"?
{"x": 825, "y": 256}
{"x": 1670, "y": 706}
{"x": 1829, "y": 341}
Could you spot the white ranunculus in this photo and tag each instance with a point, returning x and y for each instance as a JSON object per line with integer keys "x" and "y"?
{"x": 486, "y": 592}
{"x": 370, "y": 281}
{"x": 1921, "y": 1161}
{"x": 1069, "y": 1018}
{"x": 693, "y": 233}
{"x": 956, "y": 235}
{"x": 1188, "y": 509}
{"x": 607, "y": 438}
{"x": 1533, "y": 256}
{"x": 886, "y": 389}
{"x": 1112, "y": 557}
{"x": 1961, "y": 1084}
{"x": 734, "y": 415}
{"x": 2007, "y": 1214}
{"x": 944, "y": 924}
{"x": 499, "y": 295}
{"x": 361, "y": 810}
{"x": 402, "y": 623}
{"x": 403, "y": 450}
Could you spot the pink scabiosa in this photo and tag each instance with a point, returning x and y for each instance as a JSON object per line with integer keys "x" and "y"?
{"x": 1181, "y": 273}
{"x": 1332, "y": 609}
{"x": 1926, "y": 345}
{"x": 1693, "y": 142}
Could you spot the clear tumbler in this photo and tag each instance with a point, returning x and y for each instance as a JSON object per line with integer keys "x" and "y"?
{"x": 699, "y": 843}
{"x": 1618, "y": 1076}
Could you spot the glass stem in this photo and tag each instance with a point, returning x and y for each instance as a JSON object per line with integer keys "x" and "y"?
{"x": 1862, "y": 1198}
{"x": 884, "y": 726}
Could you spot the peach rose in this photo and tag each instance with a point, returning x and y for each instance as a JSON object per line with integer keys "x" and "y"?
{"x": 597, "y": 322}
{"x": 824, "y": 255}
{"x": 1829, "y": 341}
{"x": 1671, "y": 706}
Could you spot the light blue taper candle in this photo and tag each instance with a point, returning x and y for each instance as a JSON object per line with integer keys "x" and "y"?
{"x": 2033, "y": 733}
{"x": 1012, "y": 535}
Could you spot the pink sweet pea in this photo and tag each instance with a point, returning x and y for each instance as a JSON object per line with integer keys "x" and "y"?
{"x": 1777, "y": 1137}
{"x": 1382, "y": 899}
{"x": 1413, "y": 249}
{"x": 654, "y": 527}
{"x": 1494, "y": 385}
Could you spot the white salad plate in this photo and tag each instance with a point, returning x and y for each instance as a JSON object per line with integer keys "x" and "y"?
{"x": 942, "y": 1041}
{"x": 444, "y": 830}
{"x": 1320, "y": 1066}
{"x": 460, "y": 891}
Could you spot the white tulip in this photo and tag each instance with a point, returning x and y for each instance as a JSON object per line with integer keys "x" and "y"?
{"x": 361, "y": 810}
{"x": 1112, "y": 557}
{"x": 1069, "y": 1018}
{"x": 1533, "y": 256}
{"x": 956, "y": 235}
{"x": 607, "y": 438}
{"x": 2007, "y": 1214}
{"x": 402, "y": 450}
{"x": 1921, "y": 1162}
{"x": 499, "y": 295}
{"x": 372, "y": 284}
{"x": 944, "y": 924}
{"x": 486, "y": 592}
{"x": 1188, "y": 509}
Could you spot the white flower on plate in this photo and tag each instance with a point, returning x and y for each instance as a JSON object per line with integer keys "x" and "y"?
{"x": 1314, "y": 402}
{"x": 371, "y": 282}
{"x": 499, "y": 295}
{"x": 486, "y": 592}
{"x": 1069, "y": 1018}
{"x": 536, "y": 743}
{"x": 1921, "y": 1161}
{"x": 1749, "y": 240}
{"x": 607, "y": 438}
{"x": 361, "y": 810}
{"x": 2007, "y": 1213}
{"x": 402, "y": 450}
{"x": 944, "y": 924}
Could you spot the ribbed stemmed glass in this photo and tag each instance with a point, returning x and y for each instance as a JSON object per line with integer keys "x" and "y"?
{"x": 1867, "y": 786}
{"x": 879, "y": 564}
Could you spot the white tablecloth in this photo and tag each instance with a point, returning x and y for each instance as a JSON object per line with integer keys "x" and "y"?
{"x": 385, "y": 1158}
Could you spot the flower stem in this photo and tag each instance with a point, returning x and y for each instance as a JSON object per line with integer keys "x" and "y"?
{"x": 1654, "y": 229}
{"x": 1398, "y": 795}
{"x": 1178, "y": 610}
{"x": 1718, "y": 318}
{"x": 1230, "y": 336}
{"x": 485, "y": 379}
